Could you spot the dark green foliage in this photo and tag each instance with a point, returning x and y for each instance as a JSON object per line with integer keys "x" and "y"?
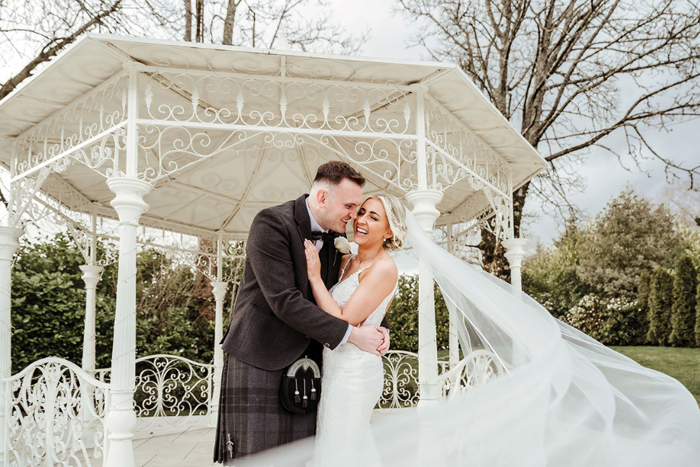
{"x": 550, "y": 276}
{"x": 597, "y": 277}
{"x": 660, "y": 303}
{"x": 697, "y": 316}
{"x": 643, "y": 302}
{"x": 629, "y": 237}
{"x": 48, "y": 305}
{"x": 403, "y": 317}
{"x": 683, "y": 310}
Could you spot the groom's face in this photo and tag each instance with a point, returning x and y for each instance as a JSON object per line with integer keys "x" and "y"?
{"x": 339, "y": 205}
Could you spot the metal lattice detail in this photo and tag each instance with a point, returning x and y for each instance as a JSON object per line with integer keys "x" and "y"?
{"x": 170, "y": 388}
{"x": 56, "y": 414}
{"x": 82, "y": 129}
{"x": 476, "y": 369}
{"x": 291, "y": 103}
{"x": 400, "y": 380}
{"x": 456, "y": 153}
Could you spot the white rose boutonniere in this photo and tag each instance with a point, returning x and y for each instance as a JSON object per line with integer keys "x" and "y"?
{"x": 342, "y": 245}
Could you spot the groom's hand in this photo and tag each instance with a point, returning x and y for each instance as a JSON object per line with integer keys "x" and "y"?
{"x": 368, "y": 338}
{"x": 384, "y": 348}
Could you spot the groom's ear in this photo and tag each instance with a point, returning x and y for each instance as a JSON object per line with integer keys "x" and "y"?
{"x": 321, "y": 197}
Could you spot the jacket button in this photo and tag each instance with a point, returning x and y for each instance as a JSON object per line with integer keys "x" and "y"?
{"x": 306, "y": 337}
{"x": 327, "y": 345}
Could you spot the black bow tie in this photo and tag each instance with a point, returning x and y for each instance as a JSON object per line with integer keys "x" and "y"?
{"x": 315, "y": 235}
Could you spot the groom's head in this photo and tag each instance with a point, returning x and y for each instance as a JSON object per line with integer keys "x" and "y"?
{"x": 335, "y": 195}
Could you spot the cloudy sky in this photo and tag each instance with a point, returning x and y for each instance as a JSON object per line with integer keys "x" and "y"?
{"x": 604, "y": 175}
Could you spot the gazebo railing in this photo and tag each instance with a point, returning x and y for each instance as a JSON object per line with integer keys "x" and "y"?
{"x": 477, "y": 368}
{"x": 55, "y": 411}
{"x": 55, "y": 415}
{"x": 171, "y": 392}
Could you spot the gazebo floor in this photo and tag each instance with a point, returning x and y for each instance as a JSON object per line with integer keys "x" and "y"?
{"x": 195, "y": 446}
{"x": 187, "y": 449}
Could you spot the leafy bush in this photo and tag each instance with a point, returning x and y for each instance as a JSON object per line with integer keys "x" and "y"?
{"x": 683, "y": 310}
{"x": 660, "y": 303}
{"x": 403, "y": 317}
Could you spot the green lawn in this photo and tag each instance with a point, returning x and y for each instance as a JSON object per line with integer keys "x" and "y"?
{"x": 682, "y": 364}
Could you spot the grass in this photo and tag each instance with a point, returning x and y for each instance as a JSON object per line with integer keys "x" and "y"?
{"x": 679, "y": 363}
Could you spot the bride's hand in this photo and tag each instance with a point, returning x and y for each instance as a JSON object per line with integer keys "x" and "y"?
{"x": 313, "y": 263}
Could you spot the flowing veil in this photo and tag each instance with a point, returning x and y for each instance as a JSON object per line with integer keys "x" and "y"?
{"x": 530, "y": 391}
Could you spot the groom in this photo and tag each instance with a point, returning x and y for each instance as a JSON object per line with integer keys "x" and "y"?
{"x": 275, "y": 320}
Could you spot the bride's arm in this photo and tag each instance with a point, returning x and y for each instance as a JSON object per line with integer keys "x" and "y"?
{"x": 377, "y": 283}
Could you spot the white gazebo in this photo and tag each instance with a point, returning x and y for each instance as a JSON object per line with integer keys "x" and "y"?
{"x": 194, "y": 140}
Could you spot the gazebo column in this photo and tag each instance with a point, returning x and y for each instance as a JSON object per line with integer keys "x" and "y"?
{"x": 8, "y": 247}
{"x": 424, "y": 202}
{"x": 91, "y": 276}
{"x": 454, "y": 341}
{"x": 515, "y": 254}
{"x": 219, "y": 290}
{"x": 121, "y": 419}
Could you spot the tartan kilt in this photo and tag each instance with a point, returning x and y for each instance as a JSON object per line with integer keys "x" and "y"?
{"x": 251, "y": 415}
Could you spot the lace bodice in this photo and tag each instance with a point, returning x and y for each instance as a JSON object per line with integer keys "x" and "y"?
{"x": 343, "y": 290}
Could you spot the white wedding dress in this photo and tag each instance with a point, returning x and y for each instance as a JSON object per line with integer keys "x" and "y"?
{"x": 352, "y": 383}
{"x": 534, "y": 392}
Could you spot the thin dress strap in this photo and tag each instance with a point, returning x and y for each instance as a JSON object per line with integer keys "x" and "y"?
{"x": 342, "y": 272}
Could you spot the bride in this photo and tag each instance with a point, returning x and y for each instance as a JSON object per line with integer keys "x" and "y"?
{"x": 352, "y": 380}
{"x": 530, "y": 390}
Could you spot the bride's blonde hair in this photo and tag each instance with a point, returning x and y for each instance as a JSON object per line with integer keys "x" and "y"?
{"x": 396, "y": 215}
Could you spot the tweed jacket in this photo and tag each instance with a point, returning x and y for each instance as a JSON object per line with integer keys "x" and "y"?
{"x": 275, "y": 317}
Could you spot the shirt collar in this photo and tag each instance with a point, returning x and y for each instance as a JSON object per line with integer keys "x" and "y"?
{"x": 315, "y": 226}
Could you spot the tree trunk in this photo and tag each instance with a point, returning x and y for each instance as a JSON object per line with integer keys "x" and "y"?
{"x": 492, "y": 251}
{"x": 229, "y": 22}
{"x": 188, "y": 20}
{"x": 200, "y": 20}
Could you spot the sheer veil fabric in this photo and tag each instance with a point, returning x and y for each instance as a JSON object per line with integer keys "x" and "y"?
{"x": 558, "y": 397}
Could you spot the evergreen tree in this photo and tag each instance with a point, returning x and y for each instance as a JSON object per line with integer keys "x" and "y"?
{"x": 630, "y": 236}
{"x": 697, "y": 316}
{"x": 643, "y": 301}
{"x": 683, "y": 310}
{"x": 660, "y": 303}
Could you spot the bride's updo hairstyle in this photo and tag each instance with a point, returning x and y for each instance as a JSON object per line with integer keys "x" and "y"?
{"x": 396, "y": 214}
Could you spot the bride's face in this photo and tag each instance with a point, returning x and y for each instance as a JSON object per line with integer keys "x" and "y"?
{"x": 371, "y": 225}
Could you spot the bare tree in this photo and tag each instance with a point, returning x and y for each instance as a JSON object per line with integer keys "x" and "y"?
{"x": 573, "y": 75}
{"x": 188, "y": 20}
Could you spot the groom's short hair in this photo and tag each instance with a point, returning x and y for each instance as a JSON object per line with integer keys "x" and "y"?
{"x": 334, "y": 172}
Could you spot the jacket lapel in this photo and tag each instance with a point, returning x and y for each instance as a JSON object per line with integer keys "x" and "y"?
{"x": 301, "y": 216}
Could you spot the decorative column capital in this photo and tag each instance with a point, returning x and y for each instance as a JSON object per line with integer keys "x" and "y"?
{"x": 219, "y": 290}
{"x": 424, "y": 202}
{"x": 91, "y": 275}
{"x": 515, "y": 250}
{"x": 9, "y": 242}
{"x": 128, "y": 201}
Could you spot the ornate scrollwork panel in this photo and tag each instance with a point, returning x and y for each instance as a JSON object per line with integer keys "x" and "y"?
{"x": 455, "y": 153}
{"x": 170, "y": 386}
{"x": 84, "y": 123}
{"x": 476, "y": 369}
{"x": 264, "y": 101}
{"x": 56, "y": 414}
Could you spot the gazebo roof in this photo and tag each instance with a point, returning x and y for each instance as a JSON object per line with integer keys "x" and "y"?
{"x": 223, "y": 192}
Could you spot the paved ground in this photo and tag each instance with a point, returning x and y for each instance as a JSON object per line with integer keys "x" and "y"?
{"x": 192, "y": 448}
